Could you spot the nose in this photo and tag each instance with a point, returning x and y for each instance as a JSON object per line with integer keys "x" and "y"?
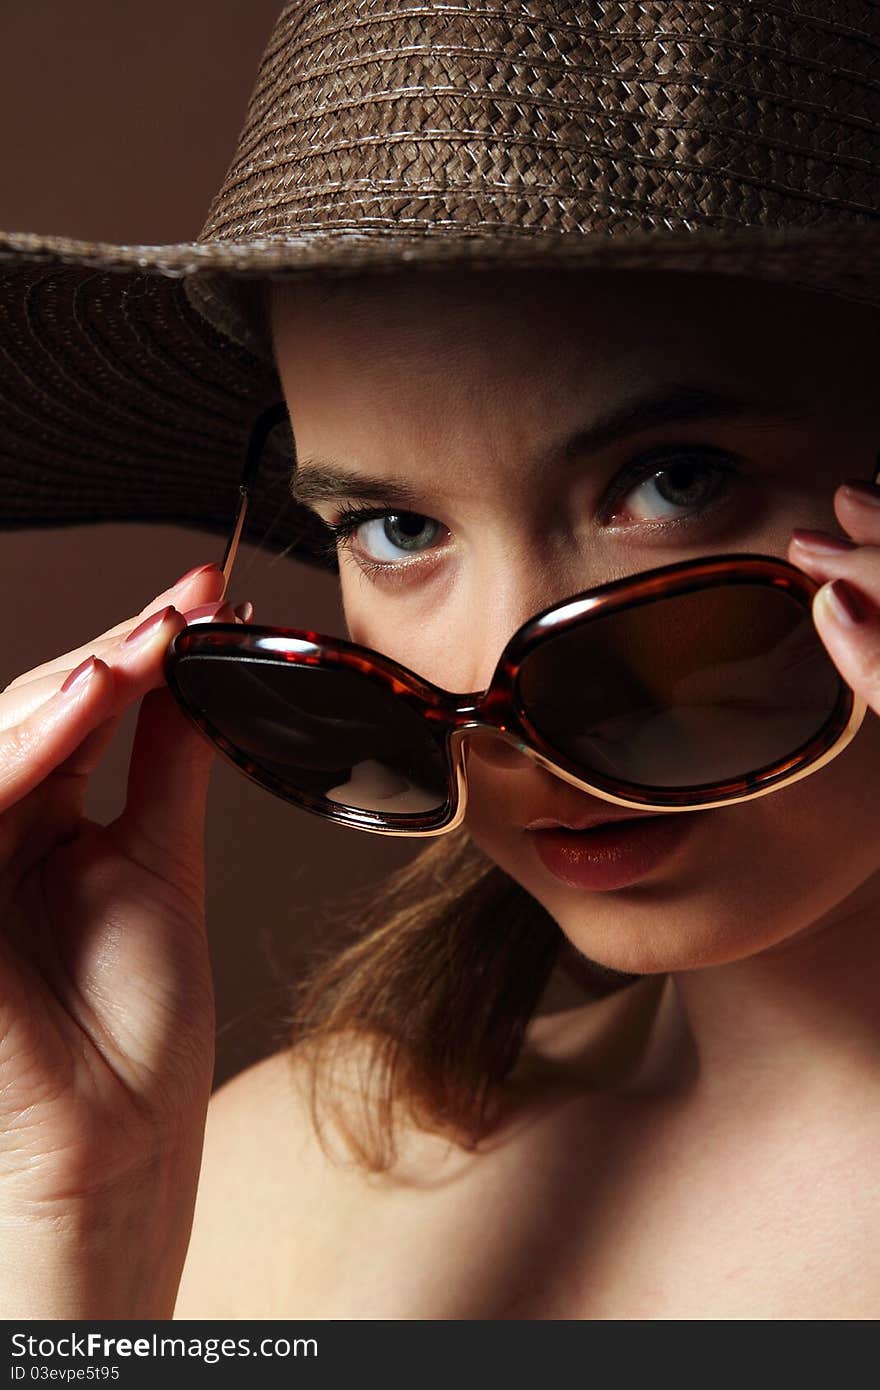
{"x": 492, "y": 748}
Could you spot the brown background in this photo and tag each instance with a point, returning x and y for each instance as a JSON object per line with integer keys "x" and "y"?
{"x": 117, "y": 122}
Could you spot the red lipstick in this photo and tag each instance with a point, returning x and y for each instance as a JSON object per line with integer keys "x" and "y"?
{"x": 614, "y": 855}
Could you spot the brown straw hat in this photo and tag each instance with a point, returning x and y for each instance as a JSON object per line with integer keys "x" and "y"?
{"x": 737, "y": 138}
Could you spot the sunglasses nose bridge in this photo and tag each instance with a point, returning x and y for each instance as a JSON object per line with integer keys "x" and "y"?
{"x": 491, "y": 710}
{"x": 493, "y": 743}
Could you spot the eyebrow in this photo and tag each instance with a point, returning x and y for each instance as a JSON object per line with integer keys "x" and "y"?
{"x": 318, "y": 480}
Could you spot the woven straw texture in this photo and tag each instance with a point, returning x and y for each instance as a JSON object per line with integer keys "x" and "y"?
{"x": 739, "y": 138}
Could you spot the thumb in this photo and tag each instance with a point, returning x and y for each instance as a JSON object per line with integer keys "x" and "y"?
{"x": 850, "y": 630}
{"x": 163, "y": 824}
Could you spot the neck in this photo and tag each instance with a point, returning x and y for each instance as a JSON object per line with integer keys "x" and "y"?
{"x": 801, "y": 1019}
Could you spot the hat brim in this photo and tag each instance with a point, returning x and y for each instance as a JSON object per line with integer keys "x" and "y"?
{"x": 124, "y": 402}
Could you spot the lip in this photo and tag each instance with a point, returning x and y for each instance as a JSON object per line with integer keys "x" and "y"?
{"x": 614, "y": 854}
{"x": 585, "y": 822}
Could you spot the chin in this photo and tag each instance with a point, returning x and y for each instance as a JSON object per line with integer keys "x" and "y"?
{"x": 715, "y": 899}
{"x": 637, "y": 942}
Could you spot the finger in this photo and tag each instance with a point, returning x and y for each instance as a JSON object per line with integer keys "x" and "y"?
{"x": 137, "y": 664}
{"x": 859, "y": 565}
{"x": 37, "y": 739}
{"x": 199, "y": 588}
{"x": 84, "y": 759}
{"x": 47, "y": 737}
{"x": 858, "y": 512}
{"x": 128, "y": 658}
{"x": 849, "y": 625}
{"x": 846, "y": 607}
{"x": 163, "y": 824}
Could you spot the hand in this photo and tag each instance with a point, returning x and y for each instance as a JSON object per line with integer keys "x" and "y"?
{"x": 852, "y": 642}
{"x": 106, "y": 1000}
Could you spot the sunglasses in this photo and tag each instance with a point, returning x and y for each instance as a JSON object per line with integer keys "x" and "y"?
{"x": 697, "y": 684}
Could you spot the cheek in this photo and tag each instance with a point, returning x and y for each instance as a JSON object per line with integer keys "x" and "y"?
{"x": 823, "y": 832}
{"x": 755, "y": 875}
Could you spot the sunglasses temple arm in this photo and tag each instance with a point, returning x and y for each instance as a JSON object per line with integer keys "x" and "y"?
{"x": 262, "y": 428}
{"x": 260, "y": 432}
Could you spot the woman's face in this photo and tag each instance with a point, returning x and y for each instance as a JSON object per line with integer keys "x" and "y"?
{"x": 456, "y": 385}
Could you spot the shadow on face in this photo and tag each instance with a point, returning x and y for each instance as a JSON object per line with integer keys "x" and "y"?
{"x": 465, "y": 388}
{"x": 551, "y": 431}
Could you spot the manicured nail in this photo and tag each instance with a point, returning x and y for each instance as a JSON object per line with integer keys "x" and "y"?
{"x": 81, "y": 676}
{"x": 205, "y": 610}
{"x": 844, "y": 604}
{"x": 150, "y": 624}
{"x": 821, "y": 541}
{"x": 245, "y": 611}
{"x": 861, "y": 491}
{"x": 192, "y": 574}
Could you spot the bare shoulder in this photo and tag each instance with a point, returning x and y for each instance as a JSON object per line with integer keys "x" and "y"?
{"x": 315, "y": 1235}
{"x": 263, "y": 1170}
{"x": 274, "y": 1206}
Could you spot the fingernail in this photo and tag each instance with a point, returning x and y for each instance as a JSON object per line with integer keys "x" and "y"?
{"x": 844, "y": 604}
{"x": 192, "y": 574}
{"x": 244, "y": 611}
{"x": 150, "y": 624}
{"x": 81, "y": 675}
{"x": 821, "y": 541}
{"x": 206, "y": 610}
{"x": 861, "y": 491}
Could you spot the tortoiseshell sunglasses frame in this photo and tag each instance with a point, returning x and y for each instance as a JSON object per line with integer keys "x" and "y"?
{"x": 450, "y": 716}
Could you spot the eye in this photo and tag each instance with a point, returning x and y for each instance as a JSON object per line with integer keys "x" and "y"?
{"x": 384, "y": 537}
{"x": 670, "y": 485}
{"x": 673, "y": 484}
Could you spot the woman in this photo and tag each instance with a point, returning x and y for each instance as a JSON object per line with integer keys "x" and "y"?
{"x": 690, "y": 1178}
{"x": 698, "y": 1143}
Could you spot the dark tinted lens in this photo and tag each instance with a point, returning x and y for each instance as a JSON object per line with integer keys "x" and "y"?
{"x": 682, "y": 691}
{"x": 331, "y": 733}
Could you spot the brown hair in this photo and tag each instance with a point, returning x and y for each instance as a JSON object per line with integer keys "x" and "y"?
{"x": 437, "y": 975}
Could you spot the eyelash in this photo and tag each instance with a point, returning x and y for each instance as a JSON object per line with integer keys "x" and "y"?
{"x": 351, "y": 516}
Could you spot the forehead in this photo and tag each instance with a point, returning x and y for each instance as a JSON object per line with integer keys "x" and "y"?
{"x": 537, "y": 322}
{"x": 382, "y": 371}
